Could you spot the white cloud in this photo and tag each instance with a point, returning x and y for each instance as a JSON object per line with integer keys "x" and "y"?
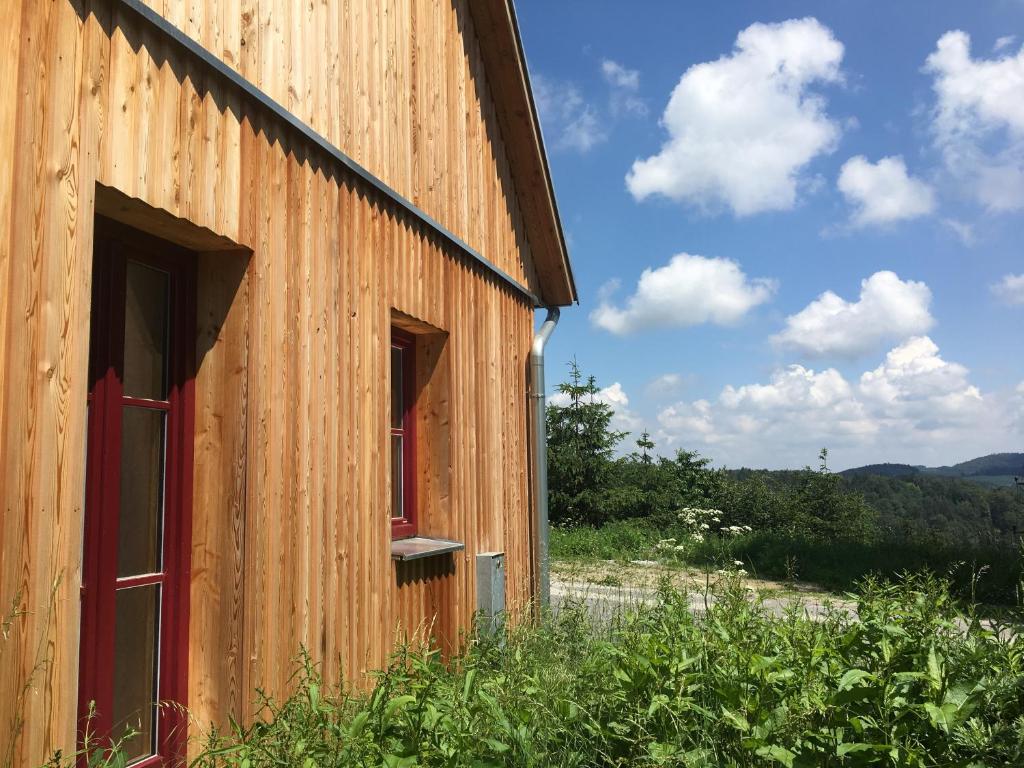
{"x": 883, "y": 192}
{"x": 666, "y": 385}
{"x": 1010, "y": 289}
{"x": 888, "y": 309}
{"x": 742, "y": 129}
{"x": 963, "y": 231}
{"x": 915, "y": 407}
{"x": 568, "y": 120}
{"x": 978, "y": 122}
{"x": 614, "y": 396}
{"x": 619, "y": 76}
{"x": 916, "y": 384}
{"x": 1004, "y": 42}
{"x": 689, "y": 290}
{"x": 624, "y": 85}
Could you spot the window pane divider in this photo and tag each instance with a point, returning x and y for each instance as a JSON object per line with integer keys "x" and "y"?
{"x": 143, "y": 580}
{"x": 141, "y": 402}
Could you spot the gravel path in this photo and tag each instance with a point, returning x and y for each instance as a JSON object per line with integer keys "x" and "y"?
{"x": 603, "y": 601}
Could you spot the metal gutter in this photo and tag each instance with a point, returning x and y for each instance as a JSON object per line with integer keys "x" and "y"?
{"x": 164, "y": 27}
{"x": 540, "y": 451}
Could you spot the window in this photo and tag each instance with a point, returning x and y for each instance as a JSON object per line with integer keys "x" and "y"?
{"x": 134, "y": 640}
{"x": 403, "y": 435}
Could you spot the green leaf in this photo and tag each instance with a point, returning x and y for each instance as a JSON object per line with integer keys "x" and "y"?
{"x": 777, "y": 754}
{"x": 396, "y": 704}
{"x": 935, "y": 666}
{"x": 854, "y": 747}
{"x": 853, "y": 678}
{"x": 943, "y": 717}
{"x": 395, "y": 761}
{"x": 496, "y": 745}
{"x": 738, "y": 721}
{"x": 358, "y": 723}
{"x": 861, "y": 693}
{"x": 468, "y": 686}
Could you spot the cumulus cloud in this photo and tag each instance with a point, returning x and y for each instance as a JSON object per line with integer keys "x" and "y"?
{"x": 1010, "y": 289}
{"x": 914, "y": 407}
{"x": 1004, "y": 42}
{"x": 883, "y": 192}
{"x": 915, "y": 384}
{"x": 888, "y": 309}
{"x": 743, "y": 129}
{"x": 568, "y": 120}
{"x": 978, "y": 120}
{"x": 666, "y": 385}
{"x": 614, "y": 396}
{"x": 624, "y": 85}
{"x": 689, "y": 290}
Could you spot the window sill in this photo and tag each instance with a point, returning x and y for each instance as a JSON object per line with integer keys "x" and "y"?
{"x": 419, "y": 547}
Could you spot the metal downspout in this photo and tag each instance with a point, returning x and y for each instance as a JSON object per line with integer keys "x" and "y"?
{"x": 540, "y": 452}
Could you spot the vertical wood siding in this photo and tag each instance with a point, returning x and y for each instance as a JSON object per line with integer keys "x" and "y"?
{"x": 291, "y": 517}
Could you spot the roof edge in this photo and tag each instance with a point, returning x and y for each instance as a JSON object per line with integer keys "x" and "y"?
{"x": 504, "y": 57}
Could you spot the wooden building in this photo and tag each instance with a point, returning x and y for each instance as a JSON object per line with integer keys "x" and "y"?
{"x": 269, "y": 271}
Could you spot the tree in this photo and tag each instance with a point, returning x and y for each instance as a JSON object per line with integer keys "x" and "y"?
{"x": 646, "y": 446}
{"x": 581, "y": 445}
{"x": 829, "y": 512}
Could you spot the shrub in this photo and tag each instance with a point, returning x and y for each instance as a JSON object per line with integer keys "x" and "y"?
{"x": 908, "y": 682}
{"x": 618, "y": 540}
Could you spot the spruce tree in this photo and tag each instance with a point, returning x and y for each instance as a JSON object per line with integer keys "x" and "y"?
{"x": 581, "y": 444}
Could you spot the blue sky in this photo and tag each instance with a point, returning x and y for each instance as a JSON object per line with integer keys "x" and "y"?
{"x": 792, "y": 224}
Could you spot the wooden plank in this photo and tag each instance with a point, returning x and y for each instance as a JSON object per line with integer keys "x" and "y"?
{"x": 218, "y": 523}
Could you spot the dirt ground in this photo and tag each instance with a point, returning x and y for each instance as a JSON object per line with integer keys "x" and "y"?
{"x": 643, "y": 576}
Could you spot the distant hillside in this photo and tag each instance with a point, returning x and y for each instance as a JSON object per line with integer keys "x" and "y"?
{"x": 995, "y": 470}
{"x": 994, "y": 464}
{"x": 915, "y": 504}
{"x": 883, "y": 470}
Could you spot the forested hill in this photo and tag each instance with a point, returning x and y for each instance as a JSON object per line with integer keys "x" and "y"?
{"x": 922, "y": 506}
{"x": 994, "y": 470}
{"x": 951, "y": 508}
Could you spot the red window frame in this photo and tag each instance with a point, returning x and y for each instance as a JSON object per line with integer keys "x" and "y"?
{"x": 115, "y": 246}
{"x": 405, "y": 526}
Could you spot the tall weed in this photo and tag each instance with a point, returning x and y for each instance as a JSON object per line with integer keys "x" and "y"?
{"x": 909, "y": 680}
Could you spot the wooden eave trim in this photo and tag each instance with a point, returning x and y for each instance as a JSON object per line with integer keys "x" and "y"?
{"x": 509, "y": 80}
{"x": 249, "y": 89}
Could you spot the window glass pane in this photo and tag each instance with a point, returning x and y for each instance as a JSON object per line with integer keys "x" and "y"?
{"x": 142, "y": 470}
{"x": 145, "y": 332}
{"x": 397, "y": 404}
{"x": 135, "y": 668}
{"x": 396, "y": 477}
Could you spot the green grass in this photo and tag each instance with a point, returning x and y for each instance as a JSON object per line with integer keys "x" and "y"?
{"x": 912, "y": 682}
{"x": 620, "y": 540}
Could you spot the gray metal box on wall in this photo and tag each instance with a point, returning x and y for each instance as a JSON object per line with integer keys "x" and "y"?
{"x": 490, "y": 589}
